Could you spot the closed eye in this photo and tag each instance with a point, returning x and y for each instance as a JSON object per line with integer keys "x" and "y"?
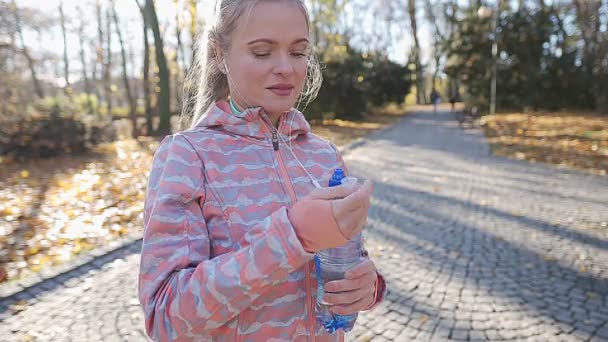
{"x": 261, "y": 55}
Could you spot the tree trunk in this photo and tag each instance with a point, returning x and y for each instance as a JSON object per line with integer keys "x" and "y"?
{"x": 316, "y": 32}
{"x": 85, "y": 77}
{"x": 453, "y": 80}
{"x": 99, "y": 56}
{"x": 438, "y": 40}
{"x": 164, "y": 97}
{"x": 146, "y": 72}
{"x": 66, "y": 65}
{"x": 594, "y": 50}
{"x": 125, "y": 76}
{"x": 193, "y": 28}
{"x": 180, "y": 45}
{"x": 26, "y": 53}
{"x": 179, "y": 52}
{"x": 107, "y": 75}
{"x": 542, "y": 5}
{"x": 420, "y": 92}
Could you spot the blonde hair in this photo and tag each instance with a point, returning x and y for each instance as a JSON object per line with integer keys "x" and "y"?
{"x": 206, "y": 83}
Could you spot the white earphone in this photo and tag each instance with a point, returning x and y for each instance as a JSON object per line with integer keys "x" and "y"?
{"x": 225, "y": 66}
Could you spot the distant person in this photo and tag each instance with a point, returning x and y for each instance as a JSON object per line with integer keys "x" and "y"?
{"x": 453, "y": 100}
{"x": 435, "y": 99}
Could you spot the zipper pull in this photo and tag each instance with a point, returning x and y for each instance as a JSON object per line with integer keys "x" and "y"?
{"x": 275, "y": 141}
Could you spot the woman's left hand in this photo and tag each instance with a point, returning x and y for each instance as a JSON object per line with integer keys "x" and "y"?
{"x": 356, "y": 292}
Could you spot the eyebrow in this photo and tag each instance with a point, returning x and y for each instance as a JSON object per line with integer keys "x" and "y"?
{"x": 272, "y": 42}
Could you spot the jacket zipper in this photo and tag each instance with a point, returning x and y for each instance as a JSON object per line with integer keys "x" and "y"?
{"x": 292, "y": 195}
{"x": 275, "y": 141}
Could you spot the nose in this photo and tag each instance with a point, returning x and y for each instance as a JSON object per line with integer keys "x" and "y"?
{"x": 284, "y": 66}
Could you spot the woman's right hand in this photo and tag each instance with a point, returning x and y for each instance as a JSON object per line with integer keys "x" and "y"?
{"x": 349, "y": 204}
{"x": 328, "y": 217}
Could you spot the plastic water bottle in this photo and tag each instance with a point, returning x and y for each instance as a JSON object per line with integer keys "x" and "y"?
{"x": 331, "y": 264}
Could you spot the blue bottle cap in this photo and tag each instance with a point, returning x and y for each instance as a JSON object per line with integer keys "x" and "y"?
{"x": 336, "y": 178}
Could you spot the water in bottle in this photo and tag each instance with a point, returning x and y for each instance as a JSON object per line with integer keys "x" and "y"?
{"x": 331, "y": 264}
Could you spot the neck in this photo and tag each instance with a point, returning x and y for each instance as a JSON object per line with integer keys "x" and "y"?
{"x": 238, "y": 109}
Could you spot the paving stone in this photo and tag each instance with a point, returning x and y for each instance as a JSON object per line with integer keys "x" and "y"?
{"x": 492, "y": 335}
{"x": 476, "y": 335}
{"x": 460, "y": 335}
{"x": 602, "y": 332}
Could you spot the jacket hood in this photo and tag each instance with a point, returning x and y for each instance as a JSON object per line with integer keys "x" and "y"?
{"x": 253, "y": 122}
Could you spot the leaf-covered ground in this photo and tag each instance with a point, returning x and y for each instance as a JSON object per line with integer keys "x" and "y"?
{"x": 54, "y": 209}
{"x": 577, "y": 140}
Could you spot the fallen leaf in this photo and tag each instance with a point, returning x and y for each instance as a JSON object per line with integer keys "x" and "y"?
{"x": 591, "y": 295}
{"x": 549, "y": 258}
{"x": 18, "y": 306}
{"x": 3, "y": 273}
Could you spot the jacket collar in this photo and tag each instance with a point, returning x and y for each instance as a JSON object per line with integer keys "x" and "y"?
{"x": 253, "y": 122}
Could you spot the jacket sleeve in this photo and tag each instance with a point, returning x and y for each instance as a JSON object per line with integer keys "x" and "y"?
{"x": 381, "y": 288}
{"x": 184, "y": 292}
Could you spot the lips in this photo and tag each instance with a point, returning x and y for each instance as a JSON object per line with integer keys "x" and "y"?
{"x": 281, "y": 89}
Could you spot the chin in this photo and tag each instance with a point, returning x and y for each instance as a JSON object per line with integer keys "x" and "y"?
{"x": 280, "y": 107}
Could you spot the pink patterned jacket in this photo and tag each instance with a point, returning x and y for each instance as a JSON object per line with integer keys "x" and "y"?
{"x": 221, "y": 260}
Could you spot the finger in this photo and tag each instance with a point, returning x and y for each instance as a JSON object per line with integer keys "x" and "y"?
{"x": 350, "y": 309}
{"x": 366, "y": 266}
{"x": 346, "y": 285}
{"x": 343, "y": 285}
{"x": 362, "y": 193}
{"x": 334, "y": 192}
{"x": 350, "y": 228}
{"x": 357, "y": 199}
{"x": 345, "y": 298}
{"x": 353, "y": 223}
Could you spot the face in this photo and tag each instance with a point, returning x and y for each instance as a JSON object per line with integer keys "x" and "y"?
{"x": 268, "y": 57}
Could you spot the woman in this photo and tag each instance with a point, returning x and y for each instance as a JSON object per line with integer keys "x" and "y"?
{"x": 234, "y": 211}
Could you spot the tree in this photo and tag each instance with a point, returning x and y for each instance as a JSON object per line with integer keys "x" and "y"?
{"x": 565, "y": 49}
{"x": 595, "y": 48}
{"x": 85, "y": 77}
{"x": 26, "y": 53}
{"x": 469, "y": 54}
{"x": 107, "y": 70}
{"x": 146, "y": 73}
{"x": 179, "y": 52}
{"x": 330, "y": 35}
{"x": 420, "y": 93}
{"x": 66, "y": 63}
{"x": 99, "y": 54}
{"x": 438, "y": 36}
{"x": 193, "y": 26}
{"x": 164, "y": 97}
{"x": 178, "y": 34}
{"x": 125, "y": 75}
